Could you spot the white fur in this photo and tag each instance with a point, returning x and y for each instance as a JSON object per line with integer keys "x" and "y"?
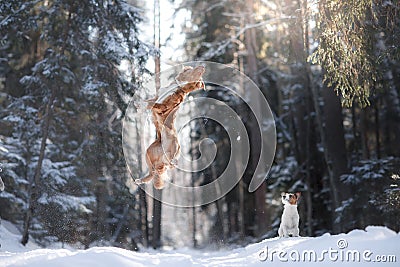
{"x": 290, "y": 220}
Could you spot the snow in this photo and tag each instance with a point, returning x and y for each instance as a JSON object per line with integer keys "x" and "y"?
{"x": 375, "y": 242}
{"x": 9, "y": 240}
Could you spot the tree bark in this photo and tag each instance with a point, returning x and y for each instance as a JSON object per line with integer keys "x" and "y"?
{"x": 364, "y": 126}
{"x": 144, "y": 223}
{"x": 192, "y": 184}
{"x": 302, "y": 107}
{"x": 34, "y": 183}
{"x": 335, "y": 146}
{"x": 392, "y": 116}
{"x": 252, "y": 68}
{"x": 377, "y": 130}
{"x": 156, "y": 230}
{"x": 157, "y": 205}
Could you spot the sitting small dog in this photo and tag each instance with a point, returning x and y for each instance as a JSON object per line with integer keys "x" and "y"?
{"x": 290, "y": 217}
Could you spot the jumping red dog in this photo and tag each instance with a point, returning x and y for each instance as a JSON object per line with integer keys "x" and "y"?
{"x": 164, "y": 151}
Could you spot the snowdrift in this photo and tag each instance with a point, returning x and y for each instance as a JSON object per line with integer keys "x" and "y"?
{"x": 377, "y": 246}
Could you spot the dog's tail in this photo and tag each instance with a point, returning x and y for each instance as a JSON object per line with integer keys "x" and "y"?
{"x": 159, "y": 180}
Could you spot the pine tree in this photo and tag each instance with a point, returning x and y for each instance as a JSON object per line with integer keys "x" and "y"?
{"x": 65, "y": 99}
{"x": 375, "y": 184}
{"x": 346, "y": 51}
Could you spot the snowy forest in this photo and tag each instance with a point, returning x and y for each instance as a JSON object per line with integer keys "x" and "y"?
{"x": 329, "y": 69}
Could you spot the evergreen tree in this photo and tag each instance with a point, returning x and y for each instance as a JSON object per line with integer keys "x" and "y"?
{"x": 347, "y": 36}
{"x": 64, "y": 97}
{"x": 376, "y": 189}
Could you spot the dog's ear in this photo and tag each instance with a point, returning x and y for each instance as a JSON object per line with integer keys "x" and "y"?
{"x": 298, "y": 194}
{"x": 282, "y": 194}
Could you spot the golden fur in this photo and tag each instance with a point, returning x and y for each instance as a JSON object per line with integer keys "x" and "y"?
{"x": 163, "y": 152}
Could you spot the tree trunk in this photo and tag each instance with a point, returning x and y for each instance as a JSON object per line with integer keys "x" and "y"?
{"x": 34, "y": 183}
{"x": 261, "y": 219}
{"x": 192, "y": 184}
{"x": 377, "y": 130}
{"x": 311, "y": 148}
{"x": 242, "y": 228}
{"x": 335, "y": 146}
{"x": 120, "y": 224}
{"x": 356, "y": 144}
{"x": 156, "y": 233}
{"x": 332, "y": 136}
{"x": 156, "y": 230}
{"x": 392, "y": 118}
{"x": 241, "y": 185}
{"x": 194, "y": 230}
{"x": 302, "y": 108}
{"x": 101, "y": 214}
{"x": 364, "y": 126}
{"x": 144, "y": 223}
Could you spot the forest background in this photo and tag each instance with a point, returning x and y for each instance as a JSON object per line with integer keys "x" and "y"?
{"x": 329, "y": 69}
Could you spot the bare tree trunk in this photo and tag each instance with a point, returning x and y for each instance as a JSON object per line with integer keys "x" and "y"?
{"x": 364, "y": 125}
{"x": 261, "y": 219}
{"x": 34, "y": 183}
{"x": 335, "y": 146}
{"x": 240, "y": 65}
{"x": 156, "y": 230}
{"x": 241, "y": 209}
{"x": 377, "y": 130}
{"x": 101, "y": 214}
{"x": 310, "y": 121}
{"x": 303, "y": 123}
{"x": 144, "y": 223}
{"x": 194, "y": 230}
{"x": 392, "y": 118}
{"x": 356, "y": 136}
{"x": 120, "y": 224}
{"x": 192, "y": 178}
{"x": 157, "y": 205}
{"x": 157, "y": 42}
{"x": 218, "y": 233}
{"x": 332, "y": 136}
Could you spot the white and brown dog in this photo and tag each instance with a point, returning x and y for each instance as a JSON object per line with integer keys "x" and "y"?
{"x": 290, "y": 217}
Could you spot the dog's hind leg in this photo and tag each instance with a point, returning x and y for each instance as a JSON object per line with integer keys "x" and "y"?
{"x": 280, "y": 232}
{"x": 284, "y": 232}
{"x": 150, "y": 176}
{"x": 296, "y": 232}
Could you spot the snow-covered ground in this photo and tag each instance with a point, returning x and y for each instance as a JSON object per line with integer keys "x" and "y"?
{"x": 376, "y": 245}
